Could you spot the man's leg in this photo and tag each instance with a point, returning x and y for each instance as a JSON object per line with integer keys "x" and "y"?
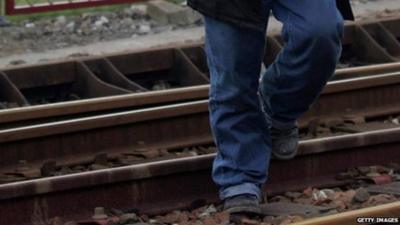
{"x": 312, "y": 33}
{"x": 234, "y": 56}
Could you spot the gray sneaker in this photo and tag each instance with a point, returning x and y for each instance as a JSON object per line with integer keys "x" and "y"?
{"x": 246, "y": 203}
{"x": 284, "y": 142}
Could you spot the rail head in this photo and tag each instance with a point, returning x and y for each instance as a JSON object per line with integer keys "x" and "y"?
{"x": 346, "y": 144}
{"x": 390, "y": 210}
{"x": 103, "y": 121}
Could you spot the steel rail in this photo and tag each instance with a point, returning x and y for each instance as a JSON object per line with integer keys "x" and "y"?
{"x": 42, "y": 113}
{"x": 126, "y": 101}
{"x": 167, "y": 125}
{"x": 366, "y": 70}
{"x": 103, "y": 105}
{"x": 390, "y": 210}
{"x": 159, "y": 187}
{"x": 194, "y": 58}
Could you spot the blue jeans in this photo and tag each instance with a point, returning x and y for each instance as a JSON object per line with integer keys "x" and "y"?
{"x": 312, "y": 34}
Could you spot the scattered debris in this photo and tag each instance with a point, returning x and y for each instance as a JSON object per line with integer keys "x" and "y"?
{"x": 279, "y": 213}
{"x": 48, "y": 33}
{"x": 362, "y": 195}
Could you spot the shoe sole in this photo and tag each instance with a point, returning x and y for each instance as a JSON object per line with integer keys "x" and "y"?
{"x": 244, "y": 209}
{"x": 284, "y": 157}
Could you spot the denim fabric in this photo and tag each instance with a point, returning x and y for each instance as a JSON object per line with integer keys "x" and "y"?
{"x": 312, "y": 33}
{"x": 247, "y": 13}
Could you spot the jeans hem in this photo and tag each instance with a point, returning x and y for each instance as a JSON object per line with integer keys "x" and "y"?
{"x": 245, "y": 188}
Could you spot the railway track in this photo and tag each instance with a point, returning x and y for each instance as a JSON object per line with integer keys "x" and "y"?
{"x": 137, "y": 136}
{"x": 280, "y": 210}
{"x": 104, "y": 160}
{"x": 187, "y": 181}
{"x": 366, "y": 128}
{"x": 385, "y": 212}
{"x": 128, "y": 81}
{"x": 360, "y": 203}
{"x": 169, "y": 127}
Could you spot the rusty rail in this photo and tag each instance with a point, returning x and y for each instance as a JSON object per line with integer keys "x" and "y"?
{"x": 186, "y": 180}
{"x": 174, "y": 124}
{"x": 110, "y": 83}
{"x": 349, "y": 218}
{"x": 183, "y": 181}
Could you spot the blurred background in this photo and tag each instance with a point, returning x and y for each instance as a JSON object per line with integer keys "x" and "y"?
{"x": 41, "y": 30}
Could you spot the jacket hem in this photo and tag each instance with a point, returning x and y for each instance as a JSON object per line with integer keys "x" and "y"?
{"x": 230, "y": 20}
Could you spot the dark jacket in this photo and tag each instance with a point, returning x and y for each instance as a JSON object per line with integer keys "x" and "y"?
{"x": 248, "y": 13}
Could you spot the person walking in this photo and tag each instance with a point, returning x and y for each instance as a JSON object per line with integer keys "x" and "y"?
{"x": 253, "y": 118}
